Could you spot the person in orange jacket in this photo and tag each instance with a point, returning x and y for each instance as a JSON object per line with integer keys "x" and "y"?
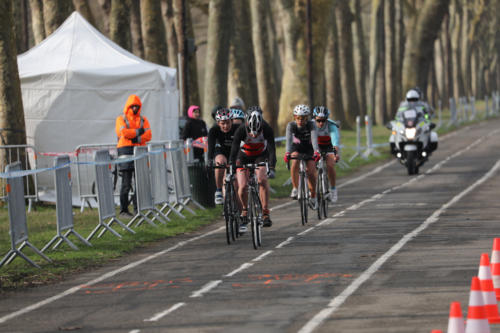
{"x": 132, "y": 130}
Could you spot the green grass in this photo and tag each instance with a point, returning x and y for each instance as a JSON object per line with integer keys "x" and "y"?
{"x": 42, "y": 223}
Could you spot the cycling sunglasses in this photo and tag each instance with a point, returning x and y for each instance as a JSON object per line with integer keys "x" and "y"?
{"x": 320, "y": 120}
{"x": 300, "y": 117}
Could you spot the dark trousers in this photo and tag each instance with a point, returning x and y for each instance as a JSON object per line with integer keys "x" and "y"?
{"x": 127, "y": 178}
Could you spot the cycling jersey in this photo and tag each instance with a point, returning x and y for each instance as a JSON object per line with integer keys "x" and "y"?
{"x": 302, "y": 138}
{"x": 328, "y": 134}
{"x": 253, "y": 147}
{"x": 220, "y": 142}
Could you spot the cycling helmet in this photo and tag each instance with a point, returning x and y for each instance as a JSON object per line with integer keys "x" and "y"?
{"x": 237, "y": 103}
{"x": 222, "y": 114}
{"x": 301, "y": 110}
{"x": 321, "y": 111}
{"x": 412, "y": 96}
{"x": 215, "y": 109}
{"x": 253, "y": 122}
{"x": 254, "y": 108}
{"x": 237, "y": 113}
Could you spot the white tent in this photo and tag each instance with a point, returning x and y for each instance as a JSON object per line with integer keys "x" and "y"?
{"x": 76, "y": 82}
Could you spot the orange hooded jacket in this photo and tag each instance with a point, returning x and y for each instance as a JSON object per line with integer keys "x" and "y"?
{"x": 128, "y": 124}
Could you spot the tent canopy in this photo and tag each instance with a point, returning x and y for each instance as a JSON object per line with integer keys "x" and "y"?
{"x": 76, "y": 82}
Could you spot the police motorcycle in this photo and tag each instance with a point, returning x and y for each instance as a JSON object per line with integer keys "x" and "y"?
{"x": 412, "y": 140}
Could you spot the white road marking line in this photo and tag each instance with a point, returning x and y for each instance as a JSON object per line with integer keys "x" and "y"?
{"x": 206, "y": 288}
{"x": 336, "y": 302}
{"x": 239, "y": 269}
{"x": 265, "y": 254}
{"x": 134, "y": 331}
{"x": 288, "y": 241}
{"x": 162, "y": 314}
{"x": 102, "y": 278}
{"x": 305, "y": 231}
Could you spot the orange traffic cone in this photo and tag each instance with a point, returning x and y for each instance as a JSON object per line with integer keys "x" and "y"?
{"x": 485, "y": 279}
{"x": 456, "y": 321}
{"x": 476, "y": 316}
{"x": 495, "y": 266}
{"x": 436, "y": 331}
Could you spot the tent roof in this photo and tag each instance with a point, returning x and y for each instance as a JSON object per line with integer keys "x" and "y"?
{"x": 76, "y": 47}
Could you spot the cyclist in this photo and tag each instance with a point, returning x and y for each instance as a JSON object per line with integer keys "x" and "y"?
{"x": 328, "y": 142}
{"x": 302, "y": 138}
{"x": 237, "y": 115}
{"x": 220, "y": 139}
{"x": 254, "y": 143}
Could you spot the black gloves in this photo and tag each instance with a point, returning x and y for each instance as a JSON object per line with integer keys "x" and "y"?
{"x": 135, "y": 140}
{"x": 140, "y": 131}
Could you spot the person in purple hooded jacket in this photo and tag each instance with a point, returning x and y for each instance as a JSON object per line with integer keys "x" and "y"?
{"x": 195, "y": 128}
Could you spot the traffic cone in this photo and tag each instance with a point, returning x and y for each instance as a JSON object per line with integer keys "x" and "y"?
{"x": 495, "y": 266}
{"x": 476, "y": 315}
{"x": 456, "y": 320}
{"x": 485, "y": 279}
{"x": 436, "y": 331}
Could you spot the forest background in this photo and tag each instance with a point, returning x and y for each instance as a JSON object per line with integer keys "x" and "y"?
{"x": 357, "y": 57}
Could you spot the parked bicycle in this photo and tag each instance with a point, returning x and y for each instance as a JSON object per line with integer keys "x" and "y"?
{"x": 254, "y": 204}
{"x": 322, "y": 187}
{"x": 231, "y": 209}
{"x": 303, "y": 190}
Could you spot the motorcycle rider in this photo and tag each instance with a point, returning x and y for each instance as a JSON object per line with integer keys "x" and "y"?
{"x": 302, "y": 138}
{"x": 414, "y": 101}
{"x": 328, "y": 142}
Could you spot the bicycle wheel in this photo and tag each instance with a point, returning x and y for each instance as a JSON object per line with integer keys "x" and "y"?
{"x": 235, "y": 213}
{"x": 303, "y": 199}
{"x": 253, "y": 220}
{"x": 228, "y": 216}
{"x": 325, "y": 190}
{"x": 319, "y": 193}
{"x": 258, "y": 209}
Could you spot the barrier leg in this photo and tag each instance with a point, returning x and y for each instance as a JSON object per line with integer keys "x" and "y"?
{"x": 37, "y": 251}
{"x": 106, "y": 227}
{"x": 120, "y": 223}
{"x": 160, "y": 216}
{"x": 172, "y": 209}
{"x": 197, "y": 204}
{"x": 15, "y": 253}
{"x": 147, "y": 219}
{"x": 183, "y": 205}
{"x": 8, "y": 256}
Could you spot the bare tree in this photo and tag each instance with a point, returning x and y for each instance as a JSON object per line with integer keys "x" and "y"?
{"x": 377, "y": 65}
{"x": 192, "y": 84}
{"x": 119, "y": 23}
{"x": 54, "y": 13}
{"x": 153, "y": 32}
{"x": 457, "y": 17}
{"x": 390, "y": 58}
{"x": 83, "y": 8}
{"x": 20, "y": 11}
{"x": 136, "y": 28}
{"x": 167, "y": 9}
{"x": 216, "y": 65}
{"x": 361, "y": 57}
{"x": 104, "y": 15}
{"x": 37, "y": 21}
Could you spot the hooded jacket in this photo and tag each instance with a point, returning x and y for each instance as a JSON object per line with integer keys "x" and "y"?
{"x": 128, "y": 125}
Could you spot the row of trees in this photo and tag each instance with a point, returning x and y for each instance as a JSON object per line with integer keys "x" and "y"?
{"x": 362, "y": 55}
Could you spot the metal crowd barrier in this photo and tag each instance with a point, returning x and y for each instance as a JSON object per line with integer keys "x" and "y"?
{"x": 13, "y": 154}
{"x": 105, "y": 197}
{"x": 17, "y": 219}
{"x": 159, "y": 177}
{"x": 64, "y": 206}
{"x": 145, "y": 204}
{"x": 85, "y": 173}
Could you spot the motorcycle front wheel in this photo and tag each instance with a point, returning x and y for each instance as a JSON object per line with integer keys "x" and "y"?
{"x": 411, "y": 162}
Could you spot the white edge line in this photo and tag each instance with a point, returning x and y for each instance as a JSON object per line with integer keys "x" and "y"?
{"x": 166, "y": 312}
{"x": 101, "y": 278}
{"x": 239, "y": 269}
{"x": 265, "y": 254}
{"x": 305, "y": 231}
{"x": 206, "y": 288}
{"x": 280, "y": 245}
{"x": 134, "y": 331}
{"x": 337, "y": 301}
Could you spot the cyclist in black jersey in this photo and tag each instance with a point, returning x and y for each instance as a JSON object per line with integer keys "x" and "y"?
{"x": 254, "y": 143}
{"x": 220, "y": 140}
{"x": 302, "y": 138}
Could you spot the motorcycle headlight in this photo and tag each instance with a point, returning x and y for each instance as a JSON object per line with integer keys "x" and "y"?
{"x": 410, "y": 133}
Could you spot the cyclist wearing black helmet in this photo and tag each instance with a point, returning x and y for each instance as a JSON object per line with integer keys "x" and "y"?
{"x": 254, "y": 143}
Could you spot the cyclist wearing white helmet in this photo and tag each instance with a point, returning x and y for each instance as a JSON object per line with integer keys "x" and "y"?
{"x": 220, "y": 140}
{"x": 328, "y": 141}
{"x": 254, "y": 143}
{"x": 302, "y": 138}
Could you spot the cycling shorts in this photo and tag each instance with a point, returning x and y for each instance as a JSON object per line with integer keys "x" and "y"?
{"x": 243, "y": 158}
{"x": 305, "y": 149}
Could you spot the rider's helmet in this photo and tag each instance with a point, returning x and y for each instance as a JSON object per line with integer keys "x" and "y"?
{"x": 254, "y": 108}
{"x": 222, "y": 114}
{"x": 253, "y": 122}
{"x": 321, "y": 112}
{"x": 237, "y": 103}
{"x": 237, "y": 113}
{"x": 412, "y": 96}
{"x": 301, "y": 110}
{"x": 215, "y": 109}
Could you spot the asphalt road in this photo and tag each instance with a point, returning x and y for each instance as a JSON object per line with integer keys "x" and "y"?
{"x": 396, "y": 251}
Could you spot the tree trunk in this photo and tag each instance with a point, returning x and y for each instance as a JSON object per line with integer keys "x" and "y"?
{"x": 344, "y": 19}
{"x": 37, "y": 21}
{"x": 276, "y": 42}
{"x": 376, "y": 45}
{"x": 194, "y": 92}
{"x": 294, "y": 82}
{"x": 153, "y": 32}
{"x": 263, "y": 62}
{"x": 241, "y": 81}
{"x": 119, "y": 23}
{"x": 390, "y": 58}
{"x": 104, "y": 16}
{"x": 20, "y": 11}
{"x": 459, "y": 90}
{"x": 136, "y": 28}
{"x": 449, "y": 59}
{"x": 416, "y": 63}
{"x": 216, "y": 66}
{"x": 54, "y": 13}
{"x": 332, "y": 75}
{"x": 169, "y": 19}
{"x": 11, "y": 104}
{"x": 83, "y": 8}
{"x": 466, "y": 51}
{"x": 361, "y": 58}
{"x": 400, "y": 48}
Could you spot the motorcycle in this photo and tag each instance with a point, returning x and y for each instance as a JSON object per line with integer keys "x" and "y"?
{"x": 412, "y": 140}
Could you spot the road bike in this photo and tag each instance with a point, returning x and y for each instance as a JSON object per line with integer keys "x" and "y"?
{"x": 254, "y": 205}
{"x": 322, "y": 187}
{"x": 303, "y": 190}
{"x": 231, "y": 209}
